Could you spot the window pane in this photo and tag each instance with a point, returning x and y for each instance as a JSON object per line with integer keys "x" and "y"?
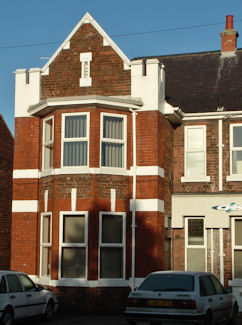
{"x": 112, "y": 229}
{"x": 195, "y": 139}
{"x": 166, "y": 282}
{"x": 112, "y": 154}
{"x": 75, "y": 153}
{"x": 27, "y": 283}
{"x": 75, "y": 126}
{"x": 195, "y": 232}
{"x": 73, "y": 263}
{"x": 206, "y": 286}
{"x": 112, "y": 127}
{"x": 74, "y": 229}
{"x": 48, "y": 130}
{"x": 195, "y": 259}
{"x": 218, "y": 286}
{"x": 111, "y": 262}
{"x": 3, "y": 287}
{"x": 46, "y": 230}
{"x": 46, "y": 261}
{"x": 48, "y": 156}
{"x": 238, "y": 232}
{"x": 195, "y": 163}
{"x": 238, "y": 264}
{"x": 14, "y": 283}
{"x": 237, "y": 162}
{"x": 237, "y": 135}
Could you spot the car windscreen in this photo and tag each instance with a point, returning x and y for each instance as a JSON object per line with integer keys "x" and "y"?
{"x": 168, "y": 282}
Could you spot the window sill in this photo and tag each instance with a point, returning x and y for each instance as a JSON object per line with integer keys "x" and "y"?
{"x": 234, "y": 178}
{"x": 195, "y": 179}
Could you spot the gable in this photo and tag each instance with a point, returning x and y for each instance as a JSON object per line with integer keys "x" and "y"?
{"x": 87, "y": 53}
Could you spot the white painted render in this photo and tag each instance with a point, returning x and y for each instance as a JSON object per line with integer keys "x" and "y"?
{"x": 150, "y": 87}
{"x": 148, "y": 205}
{"x": 140, "y": 170}
{"x": 186, "y": 205}
{"x": 25, "y": 206}
{"x": 26, "y": 94}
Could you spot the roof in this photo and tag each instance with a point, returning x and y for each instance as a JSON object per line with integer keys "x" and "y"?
{"x": 202, "y": 82}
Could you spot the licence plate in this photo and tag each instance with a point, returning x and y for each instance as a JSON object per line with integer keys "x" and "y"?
{"x": 159, "y": 303}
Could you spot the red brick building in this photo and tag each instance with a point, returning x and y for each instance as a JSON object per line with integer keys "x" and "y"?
{"x": 6, "y": 170}
{"x": 117, "y": 150}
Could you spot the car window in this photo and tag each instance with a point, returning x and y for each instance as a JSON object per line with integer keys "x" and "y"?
{"x": 3, "y": 287}
{"x": 218, "y": 286}
{"x": 14, "y": 284}
{"x": 168, "y": 282}
{"x": 27, "y": 283}
{"x": 206, "y": 286}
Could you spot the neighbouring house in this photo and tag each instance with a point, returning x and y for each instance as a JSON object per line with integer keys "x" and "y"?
{"x": 6, "y": 180}
{"x": 133, "y": 166}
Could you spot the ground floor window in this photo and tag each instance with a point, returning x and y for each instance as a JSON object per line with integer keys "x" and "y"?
{"x": 112, "y": 245}
{"x": 195, "y": 244}
{"x": 73, "y": 245}
{"x": 237, "y": 247}
{"x": 45, "y": 245}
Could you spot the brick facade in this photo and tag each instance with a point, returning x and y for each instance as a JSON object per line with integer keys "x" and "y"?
{"x": 6, "y": 169}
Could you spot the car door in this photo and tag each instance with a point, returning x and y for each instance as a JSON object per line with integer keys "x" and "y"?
{"x": 209, "y": 297}
{"x": 225, "y": 301}
{"x": 17, "y": 296}
{"x": 34, "y": 299}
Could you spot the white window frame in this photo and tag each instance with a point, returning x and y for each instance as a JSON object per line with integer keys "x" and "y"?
{"x": 123, "y": 141}
{"x": 82, "y": 139}
{"x": 42, "y": 244}
{"x": 114, "y": 245}
{"x": 234, "y": 247}
{"x": 63, "y": 245}
{"x": 48, "y": 143}
{"x": 234, "y": 176}
{"x": 195, "y": 178}
{"x": 85, "y": 59}
{"x": 204, "y": 246}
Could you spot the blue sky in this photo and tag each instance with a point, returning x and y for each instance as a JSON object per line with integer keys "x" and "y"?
{"x": 26, "y": 22}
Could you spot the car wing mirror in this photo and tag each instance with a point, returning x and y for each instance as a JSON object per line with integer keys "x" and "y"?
{"x": 228, "y": 290}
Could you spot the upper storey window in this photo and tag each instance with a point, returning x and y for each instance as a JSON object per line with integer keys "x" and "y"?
{"x": 113, "y": 140}
{"x": 236, "y": 149}
{"x": 48, "y": 143}
{"x": 195, "y": 153}
{"x": 75, "y": 139}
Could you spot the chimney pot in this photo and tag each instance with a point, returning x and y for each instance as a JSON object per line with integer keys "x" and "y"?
{"x": 229, "y": 22}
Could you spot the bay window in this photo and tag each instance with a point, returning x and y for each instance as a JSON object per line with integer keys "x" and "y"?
{"x": 75, "y": 135}
{"x": 113, "y": 140}
{"x": 48, "y": 143}
{"x": 45, "y": 244}
{"x": 112, "y": 245}
{"x": 73, "y": 242}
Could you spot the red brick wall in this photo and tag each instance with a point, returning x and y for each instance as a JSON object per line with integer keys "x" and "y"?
{"x": 212, "y": 161}
{"x": 6, "y": 169}
{"x": 107, "y": 69}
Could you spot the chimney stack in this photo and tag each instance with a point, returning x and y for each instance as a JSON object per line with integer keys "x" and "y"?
{"x": 229, "y": 36}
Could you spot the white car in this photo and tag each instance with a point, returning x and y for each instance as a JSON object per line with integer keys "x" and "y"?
{"x": 21, "y": 298}
{"x": 181, "y": 297}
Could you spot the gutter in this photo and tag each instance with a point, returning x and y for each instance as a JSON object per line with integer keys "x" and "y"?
{"x": 133, "y": 226}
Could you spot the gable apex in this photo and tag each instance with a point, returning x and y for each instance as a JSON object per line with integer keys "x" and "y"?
{"x": 88, "y": 19}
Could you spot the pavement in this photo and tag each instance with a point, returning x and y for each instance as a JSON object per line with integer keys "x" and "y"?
{"x": 67, "y": 319}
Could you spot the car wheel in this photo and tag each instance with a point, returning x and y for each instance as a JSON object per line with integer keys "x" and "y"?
{"x": 7, "y": 317}
{"x": 49, "y": 311}
{"x": 207, "y": 319}
{"x": 234, "y": 318}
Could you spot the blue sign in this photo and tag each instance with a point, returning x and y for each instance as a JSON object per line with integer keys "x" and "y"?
{"x": 229, "y": 207}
